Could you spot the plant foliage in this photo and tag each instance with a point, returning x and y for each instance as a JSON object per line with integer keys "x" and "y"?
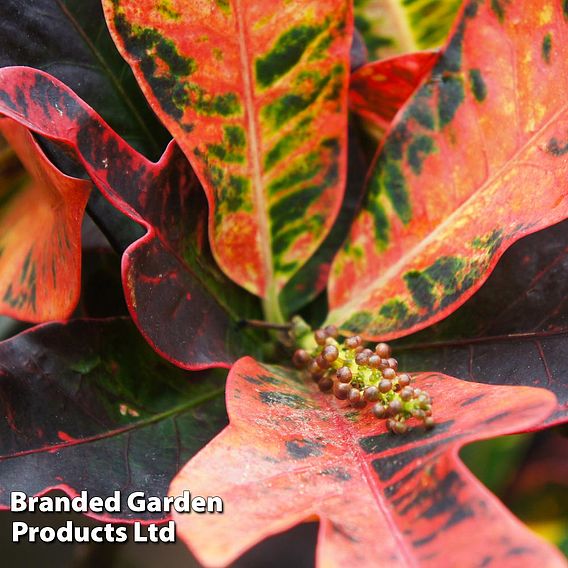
{"x": 303, "y": 186}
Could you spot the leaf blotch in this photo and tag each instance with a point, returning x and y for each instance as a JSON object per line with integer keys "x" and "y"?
{"x": 359, "y": 320}
{"x": 547, "y": 48}
{"x": 284, "y": 399}
{"x": 287, "y": 51}
{"x": 417, "y": 151}
{"x": 302, "y": 449}
{"x": 337, "y": 473}
{"x": 451, "y": 96}
{"x": 477, "y": 84}
{"x": 421, "y": 288}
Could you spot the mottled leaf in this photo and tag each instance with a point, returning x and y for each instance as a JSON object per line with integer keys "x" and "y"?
{"x": 185, "y": 307}
{"x": 514, "y": 331}
{"x": 474, "y": 161}
{"x": 392, "y": 27}
{"x": 256, "y": 96}
{"x": 81, "y": 399}
{"x": 378, "y": 90}
{"x": 291, "y": 453}
{"x": 41, "y": 211}
{"x": 69, "y": 39}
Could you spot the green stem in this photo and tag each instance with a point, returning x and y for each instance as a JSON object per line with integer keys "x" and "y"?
{"x": 271, "y": 307}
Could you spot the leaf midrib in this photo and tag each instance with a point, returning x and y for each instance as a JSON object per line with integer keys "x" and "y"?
{"x": 342, "y": 424}
{"x": 265, "y": 239}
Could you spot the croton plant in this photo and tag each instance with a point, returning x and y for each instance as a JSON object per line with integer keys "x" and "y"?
{"x": 265, "y": 170}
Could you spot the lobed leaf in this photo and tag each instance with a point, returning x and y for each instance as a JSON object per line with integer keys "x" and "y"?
{"x": 256, "y": 97}
{"x": 392, "y": 27}
{"x": 41, "y": 212}
{"x": 185, "y": 307}
{"x": 291, "y": 453}
{"x": 89, "y": 396}
{"x": 473, "y": 162}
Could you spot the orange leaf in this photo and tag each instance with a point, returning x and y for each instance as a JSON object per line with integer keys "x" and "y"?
{"x": 291, "y": 452}
{"x": 256, "y": 96}
{"x": 40, "y": 234}
{"x": 474, "y": 161}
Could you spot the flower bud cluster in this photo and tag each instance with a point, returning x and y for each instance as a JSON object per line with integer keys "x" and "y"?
{"x": 361, "y": 375}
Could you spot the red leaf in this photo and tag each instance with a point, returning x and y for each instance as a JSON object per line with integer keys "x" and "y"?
{"x": 291, "y": 452}
{"x": 89, "y": 406}
{"x": 378, "y": 90}
{"x": 181, "y": 302}
{"x": 256, "y": 97}
{"x": 473, "y": 162}
{"x": 40, "y": 234}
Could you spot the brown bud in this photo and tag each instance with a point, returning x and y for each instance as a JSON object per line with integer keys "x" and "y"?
{"x": 385, "y": 386}
{"x": 341, "y": 390}
{"x": 322, "y": 363}
{"x": 399, "y": 427}
{"x": 301, "y": 358}
{"x": 344, "y": 374}
{"x": 353, "y": 342}
{"x": 404, "y": 379}
{"x": 406, "y": 393}
{"x": 371, "y": 394}
{"x": 429, "y": 422}
{"x": 393, "y": 363}
{"x": 330, "y": 353}
{"x": 395, "y": 406}
{"x": 389, "y": 374}
{"x": 331, "y": 331}
{"x": 379, "y": 410}
{"x": 313, "y": 368}
{"x": 320, "y": 336}
{"x": 362, "y": 358}
{"x": 374, "y": 361}
{"x": 354, "y": 396}
{"x": 383, "y": 350}
{"x": 325, "y": 384}
{"x": 424, "y": 400}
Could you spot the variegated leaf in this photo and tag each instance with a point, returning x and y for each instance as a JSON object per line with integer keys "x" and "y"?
{"x": 476, "y": 160}
{"x": 255, "y": 95}
{"x": 291, "y": 453}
